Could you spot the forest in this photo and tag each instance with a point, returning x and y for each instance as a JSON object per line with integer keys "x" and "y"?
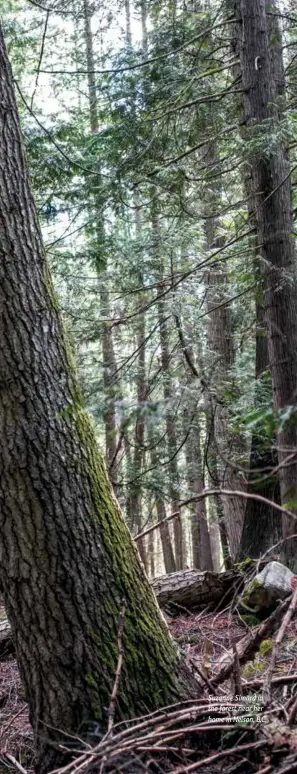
{"x": 148, "y": 386}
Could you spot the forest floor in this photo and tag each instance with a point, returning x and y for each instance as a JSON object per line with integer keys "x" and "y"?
{"x": 205, "y": 734}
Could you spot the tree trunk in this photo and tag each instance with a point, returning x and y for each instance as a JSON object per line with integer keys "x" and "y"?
{"x": 168, "y": 400}
{"x": 135, "y": 498}
{"x": 202, "y": 558}
{"x": 171, "y": 434}
{"x": 264, "y": 85}
{"x": 221, "y": 359}
{"x": 67, "y": 558}
{"x": 108, "y": 355}
{"x": 219, "y": 338}
{"x": 168, "y": 555}
{"x": 262, "y": 526}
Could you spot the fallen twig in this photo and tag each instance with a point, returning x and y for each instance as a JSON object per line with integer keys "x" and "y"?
{"x": 224, "y": 754}
{"x": 281, "y": 680}
{"x": 292, "y": 713}
{"x": 15, "y": 763}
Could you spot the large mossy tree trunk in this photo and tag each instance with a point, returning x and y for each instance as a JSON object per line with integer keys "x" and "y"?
{"x": 263, "y": 83}
{"x": 66, "y": 557}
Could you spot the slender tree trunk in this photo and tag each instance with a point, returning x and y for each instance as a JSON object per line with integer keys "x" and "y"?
{"x": 210, "y": 541}
{"x": 171, "y": 434}
{"x": 264, "y": 87}
{"x": 227, "y": 447}
{"x": 202, "y": 558}
{"x": 262, "y": 526}
{"x": 135, "y": 498}
{"x": 108, "y": 355}
{"x": 128, "y": 22}
{"x": 220, "y": 343}
{"x": 67, "y": 558}
{"x": 201, "y": 547}
{"x": 217, "y": 526}
{"x": 168, "y": 555}
{"x": 143, "y": 9}
{"x": 168, "y": 400}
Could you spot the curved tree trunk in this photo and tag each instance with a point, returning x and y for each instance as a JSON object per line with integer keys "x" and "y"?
{"x": 67, "y": 558}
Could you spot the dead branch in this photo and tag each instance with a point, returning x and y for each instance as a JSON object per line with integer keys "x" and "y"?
{"x": 14, "y": 763}
{"x": 281, "y": 680}
{"x": 249, "y": 644}
{"x": 218, "y": 493}
{"x": 217, "y": 756}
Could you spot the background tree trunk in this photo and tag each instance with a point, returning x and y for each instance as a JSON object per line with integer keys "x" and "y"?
{"x": 108, "y": 355}
{"x": 262, "y": 526}
{"x": 263, "y": 83}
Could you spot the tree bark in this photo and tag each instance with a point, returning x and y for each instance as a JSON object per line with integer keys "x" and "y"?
{"x": 67, "y": 558}
{"x": 264, "y": 87}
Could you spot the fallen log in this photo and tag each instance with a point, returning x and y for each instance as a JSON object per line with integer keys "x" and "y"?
{"x": 192, "y": 588}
